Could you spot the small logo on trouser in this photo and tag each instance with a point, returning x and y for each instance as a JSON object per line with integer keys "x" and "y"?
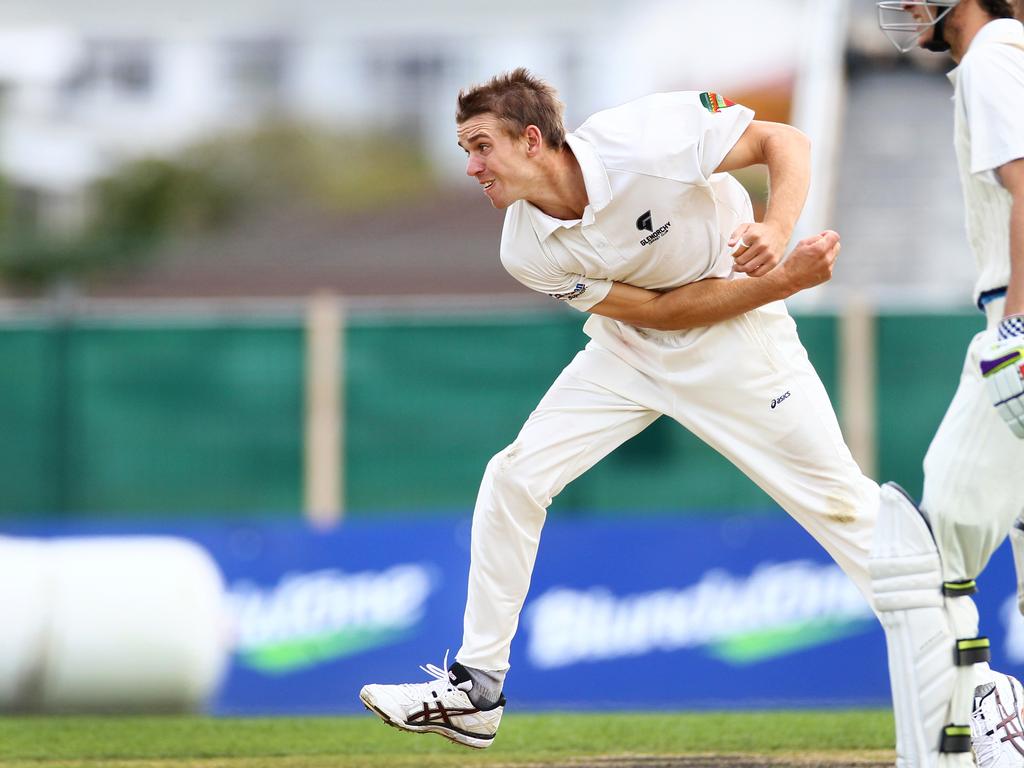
{"x": 645, "y": 222}
{"x": 778, "y": 400}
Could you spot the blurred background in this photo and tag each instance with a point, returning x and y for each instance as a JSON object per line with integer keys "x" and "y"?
{"x": 249, "y": 300}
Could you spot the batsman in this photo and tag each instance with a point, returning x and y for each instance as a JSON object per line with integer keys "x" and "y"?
{"x": 974, "y": 465}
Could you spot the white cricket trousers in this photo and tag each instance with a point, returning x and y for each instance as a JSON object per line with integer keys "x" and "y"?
{"x": 744, "y": 386}
{"x": 972, "y": 471}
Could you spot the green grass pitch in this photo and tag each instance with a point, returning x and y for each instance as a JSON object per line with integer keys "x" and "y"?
{"x": 812, "y": 738}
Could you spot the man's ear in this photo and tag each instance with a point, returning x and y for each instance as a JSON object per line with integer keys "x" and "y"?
{"x": 534, "y": 140}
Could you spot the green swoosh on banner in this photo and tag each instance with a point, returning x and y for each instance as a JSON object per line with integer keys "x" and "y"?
{"x": 301, "y": 653}
{"x": 752, "y": 647}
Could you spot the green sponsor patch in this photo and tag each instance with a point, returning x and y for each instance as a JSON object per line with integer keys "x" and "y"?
{"x": 301, "y": 653}
{"x": 715, "y": 102}
{"x": 752, "y": 647}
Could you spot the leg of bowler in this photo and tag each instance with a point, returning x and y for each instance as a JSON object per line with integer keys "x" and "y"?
{"x": 576, "y": 424}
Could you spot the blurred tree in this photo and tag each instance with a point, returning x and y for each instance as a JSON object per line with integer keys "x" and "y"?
{"x": 336, "y": 172}
{"x": 128, "y": 213}
{"x": 140, "y": 203}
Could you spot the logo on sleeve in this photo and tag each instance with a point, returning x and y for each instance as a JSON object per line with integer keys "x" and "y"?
{"x": 777, "y": 401}
{"x": 646, "y": 222}
{"x": 576, "y": 292}
{"x": 714, "y": 102}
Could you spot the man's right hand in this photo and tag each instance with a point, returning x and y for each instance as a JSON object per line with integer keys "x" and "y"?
{"x": 809, "y": 263}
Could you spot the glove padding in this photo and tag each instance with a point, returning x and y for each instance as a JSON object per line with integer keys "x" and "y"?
{"x": 1003, "y": 371}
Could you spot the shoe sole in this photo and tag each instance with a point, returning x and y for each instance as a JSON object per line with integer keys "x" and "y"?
{"x": 401, "y": 725}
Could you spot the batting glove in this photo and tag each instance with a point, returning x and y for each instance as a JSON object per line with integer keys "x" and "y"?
{"x": 1003, "y": 371}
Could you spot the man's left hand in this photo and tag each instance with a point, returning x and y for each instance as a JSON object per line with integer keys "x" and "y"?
{"x": 759, "y": 248}
{"x": 1003, "y": 370}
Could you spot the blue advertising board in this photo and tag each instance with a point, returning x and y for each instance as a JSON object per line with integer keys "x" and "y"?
{"x": 625, "y": 613}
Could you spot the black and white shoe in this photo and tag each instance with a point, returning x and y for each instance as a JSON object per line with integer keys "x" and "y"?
{"x": 997, "y": 731}
{"x": 440, "y": 706}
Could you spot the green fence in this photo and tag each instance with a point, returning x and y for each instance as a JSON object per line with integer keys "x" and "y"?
{"x": 119, "y": 420}
{"x": 180, "y": 418}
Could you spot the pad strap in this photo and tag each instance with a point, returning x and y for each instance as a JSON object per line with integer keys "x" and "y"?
{"x": 956, "y": 738}
{"x": 972, "y": 650}
{"x": 963, "y": 588}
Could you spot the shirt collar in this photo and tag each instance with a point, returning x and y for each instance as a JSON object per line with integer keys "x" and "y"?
{"x": 995, "y": 31}
{"x": 595, "y": 179}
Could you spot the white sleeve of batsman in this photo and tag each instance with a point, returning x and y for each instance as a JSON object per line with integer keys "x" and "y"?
{"x": 994, "y": 97}
{"x": 531, "y": 264}
{"x": 683, "y": 136}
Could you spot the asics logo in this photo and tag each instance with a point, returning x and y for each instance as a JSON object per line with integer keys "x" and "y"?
{"x": 439, "y": 713}
{"x": 778, "y": 400}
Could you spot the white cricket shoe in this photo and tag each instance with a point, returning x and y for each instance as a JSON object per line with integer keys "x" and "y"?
{"x": 441, "y": 706}
{"x": 997, "y": 731}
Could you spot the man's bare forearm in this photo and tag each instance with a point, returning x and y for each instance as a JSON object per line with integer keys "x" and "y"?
{"x": 760, "y": 246}
{"x": 1011, "y": 176}
{"x": 715, "y": 300}
{"x": 699, "y": 304}
{"x": 1015, "y": 288}
{"x": 788, "y": 157}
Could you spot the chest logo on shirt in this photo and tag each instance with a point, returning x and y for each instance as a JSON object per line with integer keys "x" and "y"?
{"x": 646, "y": 222}
{"x": 714, "y": 102}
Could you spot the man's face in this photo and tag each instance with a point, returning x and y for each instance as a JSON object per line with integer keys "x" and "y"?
{"x": 927, "y": 14}
{"x": 497, "y": 161}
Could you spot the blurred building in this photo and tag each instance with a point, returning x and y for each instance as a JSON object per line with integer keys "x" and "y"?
{"x": 87, "y": 87}
{"x": 87, "y": 84}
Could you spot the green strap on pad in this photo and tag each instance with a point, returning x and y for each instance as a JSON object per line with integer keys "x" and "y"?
{"x": 963, "y": 588}
{"x": 956, "y": 738}
{"x": 973, "y": 650}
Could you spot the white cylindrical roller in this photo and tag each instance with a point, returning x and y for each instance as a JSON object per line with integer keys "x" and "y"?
{"x": 24, "y": 596}
{"x": 131, "y": 624}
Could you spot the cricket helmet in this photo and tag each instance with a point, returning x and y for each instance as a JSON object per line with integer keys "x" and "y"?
{"x": 903, "y": 28}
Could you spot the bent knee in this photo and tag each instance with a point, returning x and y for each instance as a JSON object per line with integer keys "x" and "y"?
{"x": 511, "y": 476}
{"x": 965, "y": 538}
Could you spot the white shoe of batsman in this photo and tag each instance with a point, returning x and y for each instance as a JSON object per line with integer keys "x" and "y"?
{"x": 997, "y": 731}
{"x": 441, "y": 706}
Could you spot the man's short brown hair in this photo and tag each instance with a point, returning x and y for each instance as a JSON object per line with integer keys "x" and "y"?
{"x": 518, "y": 99}
{"x": 998, "y": 9}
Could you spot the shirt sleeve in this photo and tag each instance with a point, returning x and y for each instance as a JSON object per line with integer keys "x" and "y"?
{"x": 994, "y": 99}
{"x": 721, "y": 124}
{"x": 527, "y": 261}
{"x": 683, "y": 135}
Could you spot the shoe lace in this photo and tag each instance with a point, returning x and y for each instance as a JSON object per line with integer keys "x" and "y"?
{"x": 441, "y": 682}
{"x": 441, "y": 673}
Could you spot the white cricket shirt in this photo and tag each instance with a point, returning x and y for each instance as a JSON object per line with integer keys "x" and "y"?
{"x": 658, "y": 216}
{"x": 989, "y": 132}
